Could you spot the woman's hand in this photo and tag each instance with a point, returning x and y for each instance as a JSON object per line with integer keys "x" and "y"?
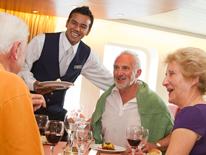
{"x": 137, "y": 151}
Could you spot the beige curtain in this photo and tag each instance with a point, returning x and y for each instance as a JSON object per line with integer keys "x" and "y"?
{"x": 37, "y": 23}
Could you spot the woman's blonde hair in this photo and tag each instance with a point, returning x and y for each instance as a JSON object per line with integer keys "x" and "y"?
{"x": 193, "y": 64}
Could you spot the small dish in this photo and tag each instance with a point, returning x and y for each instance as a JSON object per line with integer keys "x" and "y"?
{"x": 98, "y": 147}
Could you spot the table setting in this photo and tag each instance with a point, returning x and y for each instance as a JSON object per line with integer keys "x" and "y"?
{"x": 80, "y": 138}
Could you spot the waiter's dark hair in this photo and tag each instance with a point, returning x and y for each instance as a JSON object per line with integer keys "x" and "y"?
{"x": 85, "y": 11}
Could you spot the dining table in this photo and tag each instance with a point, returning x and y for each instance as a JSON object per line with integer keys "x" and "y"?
{"x": 59, "y": 150}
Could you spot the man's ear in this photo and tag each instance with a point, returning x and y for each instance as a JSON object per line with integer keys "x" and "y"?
{"x": 88, "y": 32}
{"x": 14, "y": 50}
{"x": 139, "y": 71}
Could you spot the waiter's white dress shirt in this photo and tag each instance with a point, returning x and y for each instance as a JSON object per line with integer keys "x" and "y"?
{"x": 92, "y": 69}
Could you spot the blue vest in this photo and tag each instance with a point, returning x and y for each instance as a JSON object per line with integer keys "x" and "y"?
{"x": 46, "y": 68}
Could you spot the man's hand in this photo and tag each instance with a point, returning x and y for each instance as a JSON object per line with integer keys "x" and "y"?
{"x": 38, "y": 101}
{"x": 40, "y": 89}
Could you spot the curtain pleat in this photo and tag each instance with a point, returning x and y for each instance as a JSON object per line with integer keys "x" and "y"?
{"x": 37, "y": 23}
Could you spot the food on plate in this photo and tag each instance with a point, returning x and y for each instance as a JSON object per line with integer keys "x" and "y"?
{"x": 154, "y": 152}
{"x": 74, "y": 149}
{"x": 108, "y": 146}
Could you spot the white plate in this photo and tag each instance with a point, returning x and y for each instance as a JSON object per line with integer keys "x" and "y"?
{"x": 58, "y": 85}
{"x": 98, "y": 147}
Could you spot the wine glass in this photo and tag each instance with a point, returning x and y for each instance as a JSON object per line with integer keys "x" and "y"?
{"x": 70, "y": 127}
{"x": 41, "y": 121}
{"x": 84, "y": 137}
{"x": 134, "y": 136}
{"x": 54, "y": 131}
{"x": 145, "y": 136}
{"x": 83, "y": 124}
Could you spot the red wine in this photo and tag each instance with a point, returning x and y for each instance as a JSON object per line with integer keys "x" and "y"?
{"x": 53, "y": 138}
{"x": 134, "y": 142}
{"x": 42, "y": 131}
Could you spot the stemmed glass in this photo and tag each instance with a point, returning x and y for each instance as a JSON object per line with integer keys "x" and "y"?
{"x": 73, "y": 121}
{"x": 84, "y": 138}
{"x": 70, "y": 127}
{"x": 145, "y": 136}
{"x": 41, "y": 121}
{"x": 54, "y": 131}
{"x": 134, "y": 136}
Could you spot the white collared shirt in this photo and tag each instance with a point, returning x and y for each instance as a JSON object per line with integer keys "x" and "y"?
{"x": 92, "y": 69}
{"x": 117, "y": 117}
{"x": 64, "y": 46}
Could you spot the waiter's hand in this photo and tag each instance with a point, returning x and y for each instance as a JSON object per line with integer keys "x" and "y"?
{"x": 40, "y": 89}
{"x": 38, "y": 101}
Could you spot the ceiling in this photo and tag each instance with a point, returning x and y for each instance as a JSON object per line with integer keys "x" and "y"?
{"x": 101, "y": 8}
{"x": 182, "y": 16}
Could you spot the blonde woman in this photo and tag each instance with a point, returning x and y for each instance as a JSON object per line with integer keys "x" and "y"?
{"x": 185, "y": 82}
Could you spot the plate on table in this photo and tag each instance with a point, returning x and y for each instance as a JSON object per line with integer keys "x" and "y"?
{"x": 58, "y": 85}
{"x": 98, "y": 147}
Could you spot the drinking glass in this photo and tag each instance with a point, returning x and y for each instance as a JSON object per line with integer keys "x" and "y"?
{"x": 134, "y": 136}
{"x": 83, "y": 124}
{"x": 84, "y": 138}
{"x": 54, "y": 131}
{"x": 145, "y": 136}
{"x": 41, "y": 121}
{"x": 73, "y": 121}
{"x": 70, "y": 127}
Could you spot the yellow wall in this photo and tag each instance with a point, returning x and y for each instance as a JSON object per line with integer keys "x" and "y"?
{"x": 104, "y": 32}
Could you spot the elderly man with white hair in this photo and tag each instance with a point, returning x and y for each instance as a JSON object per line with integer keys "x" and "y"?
{"x": 130, "y": 102}
{"x": 19, "y": 133}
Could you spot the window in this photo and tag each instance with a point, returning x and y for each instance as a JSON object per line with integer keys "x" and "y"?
{"x": 148, "y": 60}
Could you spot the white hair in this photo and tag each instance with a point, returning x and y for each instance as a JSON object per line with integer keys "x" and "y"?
{"x": 12, "y": 29}
{"x": 137, "y": 64}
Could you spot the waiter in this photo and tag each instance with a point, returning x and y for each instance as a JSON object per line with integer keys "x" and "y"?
{"x": 63, "y": 56}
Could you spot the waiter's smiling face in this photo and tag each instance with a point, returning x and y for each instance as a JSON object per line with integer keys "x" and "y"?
{"x": 77, "y": 27}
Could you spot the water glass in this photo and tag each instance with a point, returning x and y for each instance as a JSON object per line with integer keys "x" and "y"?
{"x": 84, "y": 138}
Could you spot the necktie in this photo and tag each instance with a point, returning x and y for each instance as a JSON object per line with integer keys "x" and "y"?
{"x": 64, "y": 61}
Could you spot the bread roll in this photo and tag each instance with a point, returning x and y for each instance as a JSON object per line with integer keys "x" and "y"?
{"x": 154, "y": 152}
